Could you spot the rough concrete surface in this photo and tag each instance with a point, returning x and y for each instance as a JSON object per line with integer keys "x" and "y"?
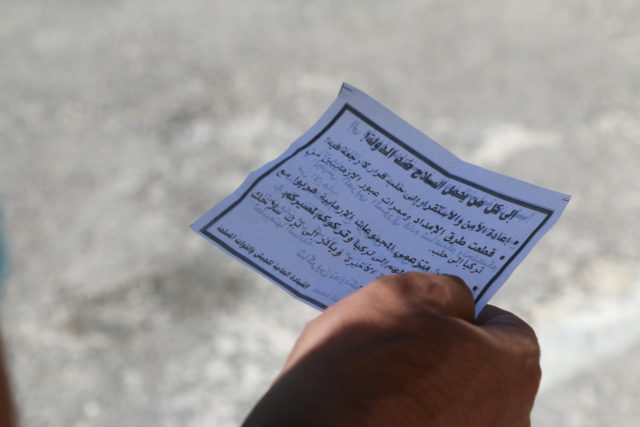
{"x": 123, "y": 121}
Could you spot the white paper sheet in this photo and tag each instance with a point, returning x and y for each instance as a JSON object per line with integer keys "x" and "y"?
{"x": 363, "y": 194}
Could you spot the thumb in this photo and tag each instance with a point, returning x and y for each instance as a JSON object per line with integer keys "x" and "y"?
{"x": 419, "y": 292}
{"x": 496, "y": 320}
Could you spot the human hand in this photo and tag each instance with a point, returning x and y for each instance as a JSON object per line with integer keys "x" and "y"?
{"x": 405, "y": 350}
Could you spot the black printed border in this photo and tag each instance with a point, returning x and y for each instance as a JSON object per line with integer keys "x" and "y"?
{"x": 205, "y": 229}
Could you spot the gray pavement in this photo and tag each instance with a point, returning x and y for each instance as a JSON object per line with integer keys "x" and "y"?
{"x": 123, "y": 121}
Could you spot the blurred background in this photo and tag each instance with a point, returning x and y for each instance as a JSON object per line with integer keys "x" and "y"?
{"x": 122, "y": 121}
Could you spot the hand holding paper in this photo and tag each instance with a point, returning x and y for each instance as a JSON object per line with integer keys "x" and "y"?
{"x": 403, "y": 351}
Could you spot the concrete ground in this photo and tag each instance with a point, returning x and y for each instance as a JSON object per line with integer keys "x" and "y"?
{"x": 123, "y": 121}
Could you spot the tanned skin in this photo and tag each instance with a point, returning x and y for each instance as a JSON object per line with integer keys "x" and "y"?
{"x": 405, "y": 350}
